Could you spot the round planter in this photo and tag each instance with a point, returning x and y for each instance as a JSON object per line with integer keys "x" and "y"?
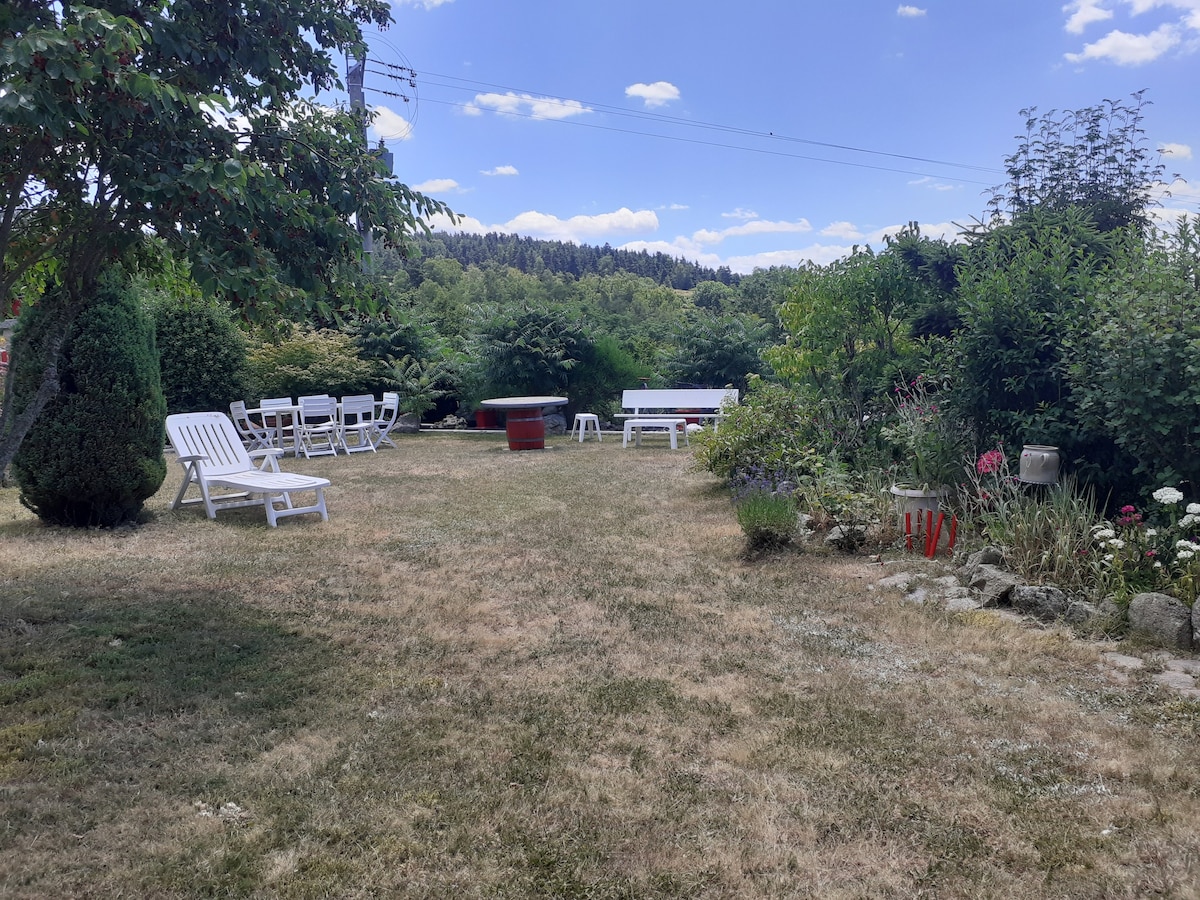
{"x": 1039, "y": 464}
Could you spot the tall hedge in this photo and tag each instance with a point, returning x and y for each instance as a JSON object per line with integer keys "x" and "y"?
{"x": 94, "y": 455}
{"x": 203, "y": 354}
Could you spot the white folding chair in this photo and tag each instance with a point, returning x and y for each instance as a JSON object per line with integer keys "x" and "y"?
{"x": 317, "y": 429}
{"x": 385, "y": 418}
{"x": 283, "y": 424}
{"x": 358, "y": 421}
{"x": 254, "y": 434}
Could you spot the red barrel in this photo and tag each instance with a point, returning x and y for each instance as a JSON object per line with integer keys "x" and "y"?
{"x": 526, "y": 429}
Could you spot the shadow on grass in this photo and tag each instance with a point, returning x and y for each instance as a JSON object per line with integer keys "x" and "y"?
{"x": 75, "y": 662}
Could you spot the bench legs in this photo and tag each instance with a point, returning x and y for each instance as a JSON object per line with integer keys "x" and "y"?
{"x": 633, "y": 429}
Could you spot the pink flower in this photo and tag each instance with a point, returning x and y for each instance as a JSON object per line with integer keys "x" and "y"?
{"x": 990, "y": 462}
{"x": 1128, "y": 509}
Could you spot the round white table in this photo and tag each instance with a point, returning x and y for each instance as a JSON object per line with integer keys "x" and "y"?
{"x": 524, "y": 425}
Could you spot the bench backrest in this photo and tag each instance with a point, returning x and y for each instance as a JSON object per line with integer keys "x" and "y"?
{"x": 681, "y": 398}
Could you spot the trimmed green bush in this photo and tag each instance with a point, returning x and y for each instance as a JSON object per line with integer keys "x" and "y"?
{"x": 313, "y": 362}
{"x": 94, "y": 455}
{"x": 202, "y": 353}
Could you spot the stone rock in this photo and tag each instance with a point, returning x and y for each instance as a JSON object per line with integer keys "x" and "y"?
{"x": 1161, "y": 619}
{"x": 901, "y": 581}
{"x": 409, "y": 423}
{"x": 995, "y": 586}
{"x": 846, "y": 537}
{"x": 1081, "y": 612}
{"x": 556, "y": 422}
{"x": 987, "y": 556}
{"x": 1042, "y": 601}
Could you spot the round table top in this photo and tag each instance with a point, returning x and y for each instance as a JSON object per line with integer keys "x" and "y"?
{"x": 522, "y": 402}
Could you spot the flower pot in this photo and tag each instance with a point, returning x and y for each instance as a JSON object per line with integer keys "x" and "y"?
{"x": 917, "y": 509}
{"x": 1039, "y": 464}
{"x": 916, "y": 500}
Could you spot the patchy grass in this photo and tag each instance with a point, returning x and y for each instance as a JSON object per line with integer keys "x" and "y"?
{"x": 549, "y": 675}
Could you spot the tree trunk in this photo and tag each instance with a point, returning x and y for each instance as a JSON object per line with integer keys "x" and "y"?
{"x": 14, "y": 427}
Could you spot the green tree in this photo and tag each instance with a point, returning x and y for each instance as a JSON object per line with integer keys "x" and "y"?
{"x": 184, "y": 119}
{"x": 1096, "y": 159}
{"x": 95, "y": 455}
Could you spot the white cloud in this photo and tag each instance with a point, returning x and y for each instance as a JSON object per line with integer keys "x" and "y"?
{"x": 752, "y": 227}
{"x": 579, "y": 229}
{"x": 909, "y": 12}
{"x": 526, "y": 105}
{"x": 660, "y": 93}
{"x": 1176, "y": 151}
{"x": 845, "y": 230}
{"x": 501, "y": 170}
{"x": 1084, "y": 13}
{"x": 427, "y": 4}
{"x": 436, "y": 186}
{"x": 740, "y": 213}
{"x": 390, "y": 125}
{"x": 1130, "y": 49}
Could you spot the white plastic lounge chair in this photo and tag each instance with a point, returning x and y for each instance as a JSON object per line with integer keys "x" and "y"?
{"x": 213, "y": 456}
{"x": 254, "y": 434}
{"x": 358, "y": 421}
{"x": 385, "y": 418}
{"x": 317, "y": 430}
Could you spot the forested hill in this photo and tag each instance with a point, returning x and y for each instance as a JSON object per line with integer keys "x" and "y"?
{"x": 562, "y": 258}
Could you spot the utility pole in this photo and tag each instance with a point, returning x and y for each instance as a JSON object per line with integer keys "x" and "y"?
{"x": 356, "y": 67}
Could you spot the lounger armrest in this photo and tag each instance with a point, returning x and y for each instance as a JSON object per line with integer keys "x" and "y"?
{"x": 195, "y": 457}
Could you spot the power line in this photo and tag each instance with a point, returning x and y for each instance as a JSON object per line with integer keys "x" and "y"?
{"x": 702, "y": 143}
{"x": 690, "y": 123}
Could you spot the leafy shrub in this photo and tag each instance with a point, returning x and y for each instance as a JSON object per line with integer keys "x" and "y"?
{"x": 525, "y": 350}
{"x": 94, "y": 455}
{"x": 604, "y": 370}
{"x": 202, "y": 354}
{"x": 1135, "y": 363}
{"x": 768, "y": 431}
{"x": 312, "y": 362}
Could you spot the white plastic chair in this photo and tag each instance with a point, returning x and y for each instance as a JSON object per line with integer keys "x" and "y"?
{"x": 214, "y": 460}
{"x": 358, "y": 420}
{"x": 317, "y": 430}
{"x": 254, "y": 434}
{"x": 284, "y": 424}
{"x": 385, "y": 418}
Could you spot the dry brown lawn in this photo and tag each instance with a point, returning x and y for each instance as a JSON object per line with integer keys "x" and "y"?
{"x": 550, "y": 674}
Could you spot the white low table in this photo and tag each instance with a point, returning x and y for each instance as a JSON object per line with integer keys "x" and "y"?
{"x": 633, "y": 428}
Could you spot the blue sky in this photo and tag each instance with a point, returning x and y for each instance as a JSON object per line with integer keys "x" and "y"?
{"x": 761, "y": 132}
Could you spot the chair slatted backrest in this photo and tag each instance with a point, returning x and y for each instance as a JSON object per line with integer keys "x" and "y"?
{"x": 211, "y": 435}
{"x": 358, "y": 408}
{"x": 317, "y": 409}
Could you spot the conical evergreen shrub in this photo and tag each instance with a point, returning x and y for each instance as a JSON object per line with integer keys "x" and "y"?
{"x": 95, "y": 454}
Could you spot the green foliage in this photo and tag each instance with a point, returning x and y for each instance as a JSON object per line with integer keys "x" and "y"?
{"x": 1158, "y": 552}
{"x": 604, "y": 370}
{"x": 768, "y": 431}
{"x": 768, "y": 520}
{"x": 420, "y": 384}
{"x": 1095, "y": 160}
{"x": 526, "y": 350}
{"x": 202, "y": 353}
{"x": 928, "y": 439}
{"x": 848, "y": 326}
{"x": 95, "y": 454}
{"x": 312, "y": 362}
{"x": 1023, "y": 290}
{"x": 713, "y": 350}
{"x": 1135, "y": 363}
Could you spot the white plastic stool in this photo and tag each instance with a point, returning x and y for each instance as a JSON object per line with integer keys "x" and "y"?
{"x": 585, "y": 422}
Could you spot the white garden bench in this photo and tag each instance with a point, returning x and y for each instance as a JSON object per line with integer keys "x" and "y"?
{"x": 701, "y": 404}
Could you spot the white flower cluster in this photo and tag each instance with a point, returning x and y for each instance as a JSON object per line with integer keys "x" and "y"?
{"x": 1186, "y": 549}
{"x": 1102, "y": 534}
{"x": 1168, "y": 496}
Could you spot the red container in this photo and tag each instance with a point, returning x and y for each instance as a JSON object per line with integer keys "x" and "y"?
{"x": 526, "y": 429}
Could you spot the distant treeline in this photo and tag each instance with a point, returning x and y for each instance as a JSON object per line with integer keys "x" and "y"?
{"x": 562, "y": 258}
